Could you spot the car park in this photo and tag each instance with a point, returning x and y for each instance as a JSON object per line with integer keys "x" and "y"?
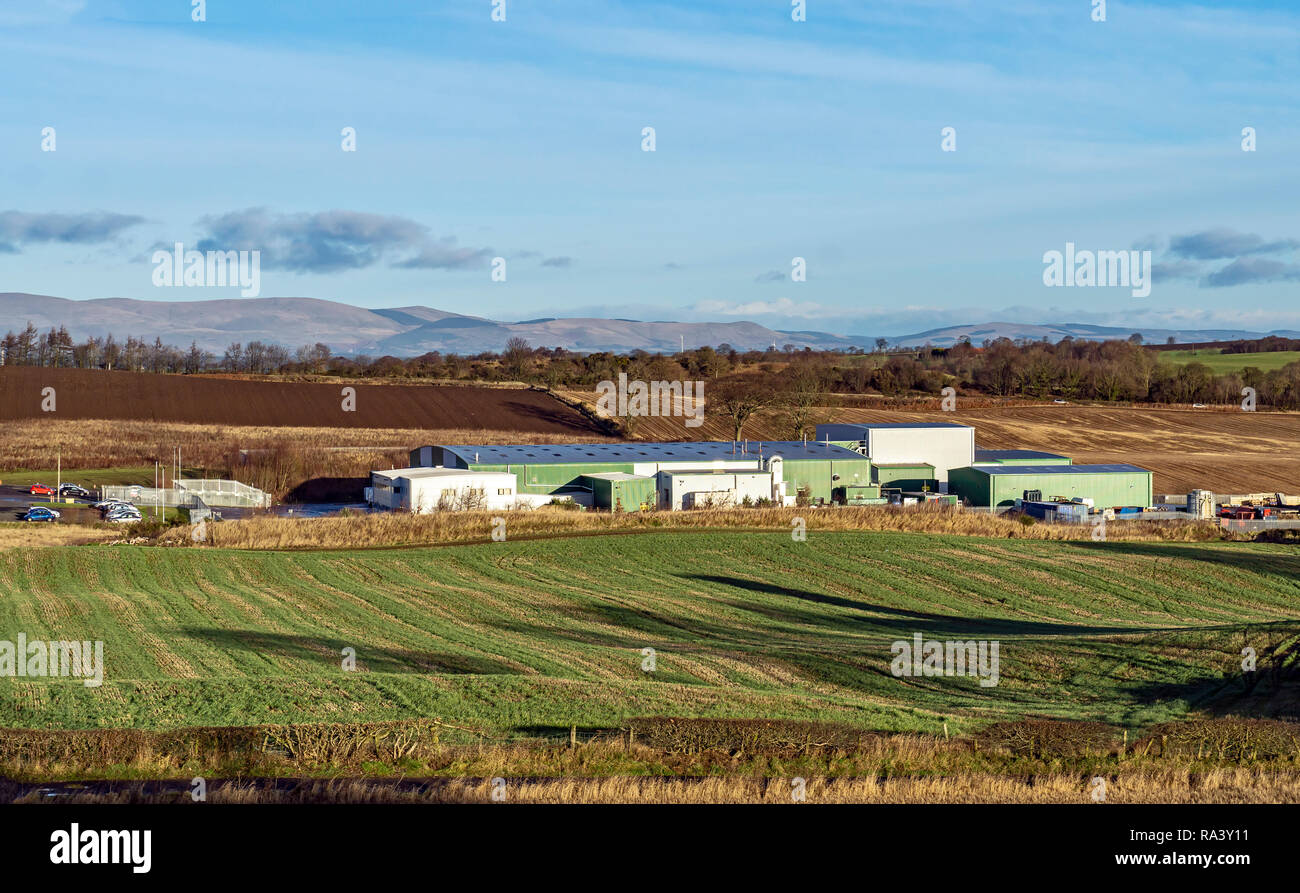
{"x": 40, "y": 513}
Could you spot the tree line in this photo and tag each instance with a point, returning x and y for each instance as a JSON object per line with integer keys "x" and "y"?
{"x": 1070, "y": 369}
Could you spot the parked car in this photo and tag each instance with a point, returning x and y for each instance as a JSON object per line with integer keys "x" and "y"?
{"x": 1198, "y": 406}
{"x": 40, "y": 513}
{"x": 73, "y": 490}
{"x": 122, "y": 510}
{"x": 1062, "y": 402}
{"x": 41, "y": 490}
{"x": 122, "y": 519}
{"x": 111, "y": 503}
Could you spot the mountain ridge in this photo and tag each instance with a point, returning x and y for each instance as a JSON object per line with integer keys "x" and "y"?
{"x": 411, "y": 330}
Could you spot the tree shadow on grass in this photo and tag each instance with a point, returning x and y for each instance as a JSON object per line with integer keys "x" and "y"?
{"x": 327, "y": 652}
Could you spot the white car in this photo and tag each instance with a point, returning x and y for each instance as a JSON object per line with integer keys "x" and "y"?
{"x": 121, "y": 515}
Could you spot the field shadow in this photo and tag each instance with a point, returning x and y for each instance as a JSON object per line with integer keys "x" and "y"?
{"x": 1279, "y": 564}
{"x": 557, "y": 416}
{"x": 328, "y": 652}
{"x": 894, "y": 621}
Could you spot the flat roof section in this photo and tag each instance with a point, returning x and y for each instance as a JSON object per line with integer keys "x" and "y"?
{"x": 705, "y": 450}
{"x": 1003, "y": 455}
{"x": 430, "y": 472}
{"x": 887, "y": 425}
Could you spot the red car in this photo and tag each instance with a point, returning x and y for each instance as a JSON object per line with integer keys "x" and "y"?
{"x": 42, "y": 490}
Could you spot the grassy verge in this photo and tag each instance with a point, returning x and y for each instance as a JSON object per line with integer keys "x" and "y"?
{"x": 683, "y": 761}
{"x": 362, "y": 530}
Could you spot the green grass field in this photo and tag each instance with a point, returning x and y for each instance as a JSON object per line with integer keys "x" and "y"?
{"x": 88, "y": 478}
{"x": 526, "y": 638}
{"x": 1221, "y": 363}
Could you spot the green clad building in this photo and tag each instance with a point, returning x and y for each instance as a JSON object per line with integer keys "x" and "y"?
{"x": 1001, "y": 485}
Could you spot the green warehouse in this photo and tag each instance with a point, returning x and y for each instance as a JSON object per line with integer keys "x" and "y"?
{"x": 1001, "y": 485}
{"x": 818, "y": 471}
{"x": 620, "y": 492}
{"x": 918, "y": 476}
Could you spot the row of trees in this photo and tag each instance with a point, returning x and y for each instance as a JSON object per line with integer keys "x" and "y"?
{"x": 1069, "y": 369}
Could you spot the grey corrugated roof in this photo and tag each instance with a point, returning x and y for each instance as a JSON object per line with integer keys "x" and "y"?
{"x": 995, "y": 455}
{"x": 707, "y": 450}
{"x": 875, "y": 425}
{"x": 1059, "y": 469}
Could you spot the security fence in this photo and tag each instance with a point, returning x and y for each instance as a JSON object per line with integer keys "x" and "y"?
{"x": 207, "y": 492}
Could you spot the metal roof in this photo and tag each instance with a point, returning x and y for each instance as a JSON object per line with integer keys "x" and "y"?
{"x": 1059, "y": 469}
{"x": 886, "y": 425}
{"x": 421, "y": 472}
{"x": 706, "y": 450}
{"x": 996, "y": 455}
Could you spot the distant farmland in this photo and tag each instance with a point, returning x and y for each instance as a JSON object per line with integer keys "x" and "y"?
{"x": 520, "y": 639}
{"x": 214, "y": 400}
{"x": 1221, "y": 363}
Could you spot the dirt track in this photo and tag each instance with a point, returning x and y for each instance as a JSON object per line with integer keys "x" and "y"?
{"x": 96, "y": 394}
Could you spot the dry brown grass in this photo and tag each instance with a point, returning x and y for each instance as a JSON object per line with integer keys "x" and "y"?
{"x": 733, "y": 762}
{"x": 400, "y": 529}
{"x": 31, "y": 443}
{"x": 31, "y": 536}
{"x": 1221, "y": 786}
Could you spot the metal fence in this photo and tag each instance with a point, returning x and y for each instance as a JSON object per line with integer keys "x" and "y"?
{"x": 207, "y": 492}
{"x": 1249, "y": 526}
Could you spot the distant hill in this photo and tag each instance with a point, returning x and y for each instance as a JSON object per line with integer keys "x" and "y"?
{"x": 991, "y": 331}
{"x": 413, "y": 330}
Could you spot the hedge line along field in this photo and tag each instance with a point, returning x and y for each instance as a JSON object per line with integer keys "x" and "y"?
{"x": 524, "y": 639}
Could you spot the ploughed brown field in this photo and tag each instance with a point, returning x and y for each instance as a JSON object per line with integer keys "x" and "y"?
{"x": 215, "y": 400}
{"x": 1220, "y": 449}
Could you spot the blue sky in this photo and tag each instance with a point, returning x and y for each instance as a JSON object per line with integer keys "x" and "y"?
{"x": 775, "y": 139}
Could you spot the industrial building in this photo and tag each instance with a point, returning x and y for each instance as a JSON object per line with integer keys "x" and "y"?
{"x": 1001, "y": 485}
{"x": 795, "y": 466}
{"x": 430, "y": 489}
{"x": 849, "y": 464}
{"x": 941, "y": 445}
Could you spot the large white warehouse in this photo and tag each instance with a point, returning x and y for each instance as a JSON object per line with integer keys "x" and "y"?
{"x": 945, "y": 445}
{"x": 431, "y": 489}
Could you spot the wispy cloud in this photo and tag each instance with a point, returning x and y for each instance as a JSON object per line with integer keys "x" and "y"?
{"x": 19, "y": 228}
{"x": 331, "y": 241}
{"x": 1217, "y": 244}
{"x": 1247, "y": 270}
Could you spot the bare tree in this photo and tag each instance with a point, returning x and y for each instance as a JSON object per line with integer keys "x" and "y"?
{"x": 518, "y": 355}
{"x": 738, "y": 399}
